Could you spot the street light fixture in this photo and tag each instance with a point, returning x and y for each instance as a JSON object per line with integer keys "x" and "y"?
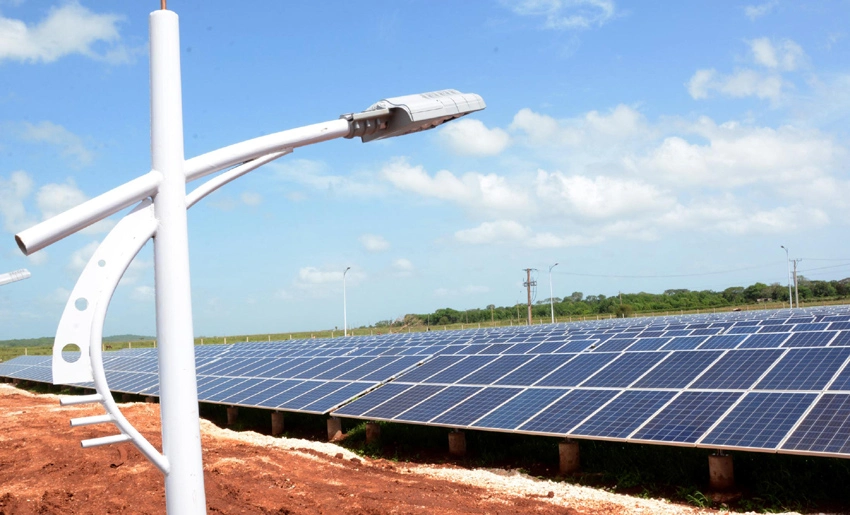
{"x": 551, "y": 302}
{"x": 788, "y": 276}
{"x": 16, "y": 275}
{"x": 161, "y": 207}
{"x": 344, "y": 314}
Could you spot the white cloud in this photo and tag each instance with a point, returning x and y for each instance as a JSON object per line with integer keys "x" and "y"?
{"x": 68, "y": 29}
{"x": 374, "y": 243}
{"x": 743, "y": 83}
{"x": 566, "y": 14}
{"x": 58, "y": 296}
{"x": 39, "y": 258}
{"x": 757, "y": 11}
{"x": 53, "y": 199}
{"x": 469, "y": 136}
{"x": 510, "y": 232}
{"x": 315, "y": 175}
{"x": 599, "y": 197}
{"x": 143, "y": 293}
{"x": 786, "y": 55}
{"x": 251, "y": 199}
{"x": 13, "y": 192}
{"x": 283, "y": 295}
{"x": 70, "y": 144}
{"x": 595, "y": 130}
{"x": 403, "y": 266}
{"x": 80, "y": 257}
{"x": 731, "y": 215}
{"x": 489, "y": 192}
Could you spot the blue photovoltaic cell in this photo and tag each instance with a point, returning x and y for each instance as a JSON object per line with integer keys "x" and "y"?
{"x": 576, "y": 370}
{"x": 743, "y": 329}
{"x": 764, "y": 341}
{"x": 685, "y": 342}
{"x": 737, "y": 369}
{"x": 560, "y": 417}
{"x": 760, "y": 420}
{"x": 822, "y": 326}
{"x": 614, "y": 345}
{"x": 263, "y": 398}
{"x": 221, "y": 390}
{"x": 328, "y": 402}
{"x": 250, "y": 388}
{"x": 625, "y": 369}
{"x": 805, "y": 369}
{"x": 438, "y": 404}
{"x": 678, "y": 370}
{"x": 460, "y": 369}
{"x": 403, "y": 402}
{"x": 649, "y": 344}
{"x": 839, "y": 326}
{"x": 826, "y": 428}
{"x": 488, "y": 374}
{"x": 687, "y": 417}
{"x": 771, "y": 329}
{"x": 548, "y": 347}
{"x": 725, "y": 341}
{"x": 344, "y": 368}
{"x": 429, "y": 368}
{"x": 367, "y": 368}
{"x": 520, "y": 408}
{"x": 291, "y": 393}
{"x": 577, "y": 345}
{"x": 708, "y": 331}
{"x": 809, "y": 339}
{"x": 677, "y": 332}
{"x": 399, "y": 365}
{"x": 319, "y": 391}
{"x": 842, "y": 340}
{"x": 327, "y": 364}
{"x": 624, "y": 414}
{"x": 373, "y": 399}
{"x": 532, "y": 371}
{"x": 476, "y": 406}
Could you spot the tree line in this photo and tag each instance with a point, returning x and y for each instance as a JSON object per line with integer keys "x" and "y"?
{"x": 626, "y": 304}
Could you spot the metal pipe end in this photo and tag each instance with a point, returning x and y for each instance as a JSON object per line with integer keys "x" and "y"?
{"x": 21, "y": 245}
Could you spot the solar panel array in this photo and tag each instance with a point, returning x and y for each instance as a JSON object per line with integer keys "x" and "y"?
{"x": 775, "y": 381}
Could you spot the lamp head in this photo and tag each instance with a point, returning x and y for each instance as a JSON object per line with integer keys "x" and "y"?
{"x": 398, "y": 116}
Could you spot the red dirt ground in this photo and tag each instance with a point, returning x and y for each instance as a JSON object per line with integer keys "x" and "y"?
{"x": 43, "y": 470}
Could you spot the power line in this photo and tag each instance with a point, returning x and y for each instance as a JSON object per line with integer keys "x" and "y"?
{"x": 660, "y": 276}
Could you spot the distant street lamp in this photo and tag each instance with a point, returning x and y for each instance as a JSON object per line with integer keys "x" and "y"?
{"x": 344, "y": 315}
{"x": 551, "y": 302}
{"x": 17, "y": 275}
{"x": 161, "y": 203}
{"x": 788, "y": 276}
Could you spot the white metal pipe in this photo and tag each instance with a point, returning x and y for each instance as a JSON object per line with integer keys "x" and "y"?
{"x": 220, "y": 180}
{"x": 94, "y": 210}
{"x": 181, "y": 433}
{"x": 551, "y": 302}
{"x": 15, "y": 275}
{"x": 105, "y": 440}
{"x": 788, "y": 276}
{"x": 344, "y": 310}
{"x": 222, "y": 158}
{"x": 82, "y": 399}
{"x": 87, "y": 421}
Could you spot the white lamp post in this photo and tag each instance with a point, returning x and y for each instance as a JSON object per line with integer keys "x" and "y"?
{"x": 344, "y": 315}
{"x": 551, "y": 302}
{"x": 16, "y": 275}
{"x": 788, "y": 276}
{"x": 161, "y": 213}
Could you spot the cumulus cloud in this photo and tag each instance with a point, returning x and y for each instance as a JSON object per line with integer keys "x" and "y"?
{"x": 621, "y": 125}
{"x": 510, "y": 232}
{"x": 757, "y": 11}
{"x": 374, "y": 243}
{"x": 488, "y": 192}
{"x": 403, "y": 266}
{"x": 70, "y": 145}
{"x": 728, "y": 214}
{"x": 743, "y": 83}
{"x": 316, "y": 175}
{"x": 143, "y": 293}
{"x": 80, "y": 257}
{"x": 250, "y": 198}
{"x": 566, "y": 14}
{"x": 469, "y": 136}
{"x": 53, "y": 199}
{"x": 785, "y": 55}
{"x": 13, "y": 192}
{"x": 67, "y": 29}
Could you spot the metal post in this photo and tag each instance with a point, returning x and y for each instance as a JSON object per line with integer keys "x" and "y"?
{"x": 788, "y": 262}
{"x": 551, "y": 302}
{"x": 181, "y": 434}
{"x": 344, "y": 313}
{"x": 796, "y": 289}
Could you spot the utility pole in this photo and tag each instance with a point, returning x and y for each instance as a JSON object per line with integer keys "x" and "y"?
{"x": 788, "y": 277}
{"x": 796, "y": 291}
{"x": 528, "y": 285}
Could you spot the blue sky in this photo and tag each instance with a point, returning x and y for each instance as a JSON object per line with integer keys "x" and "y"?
{"x": 643, "y": 146}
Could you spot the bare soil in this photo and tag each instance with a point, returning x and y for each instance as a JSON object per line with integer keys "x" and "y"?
{"x": 43, "y": 470}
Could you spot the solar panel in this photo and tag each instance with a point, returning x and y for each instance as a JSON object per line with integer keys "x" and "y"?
{"x": 566, "y": 413}
{"x": 624, "y": 414}
{"x": 687, "y": 417}
{"x": 760, "y": 420}
{"x": 826, "y": 428}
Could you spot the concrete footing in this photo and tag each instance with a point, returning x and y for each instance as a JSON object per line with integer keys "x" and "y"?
{"x": 126, "y": 397}
{"x": 334, "y": 428}
{"x": 721, "y": 474}
{"x": 457, "y": 443}
{"x": 232, "y": 415}
{"x": 373, "y": 432}
{"x": 568, "y": 454}
{"x": 150, "y": 399}
{"x": 277, "y": 423}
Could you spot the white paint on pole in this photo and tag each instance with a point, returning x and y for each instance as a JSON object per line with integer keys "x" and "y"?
{"x": 181, "y": 433}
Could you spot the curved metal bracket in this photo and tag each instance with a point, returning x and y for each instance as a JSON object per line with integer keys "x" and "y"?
{"x": 106, "y": 266}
